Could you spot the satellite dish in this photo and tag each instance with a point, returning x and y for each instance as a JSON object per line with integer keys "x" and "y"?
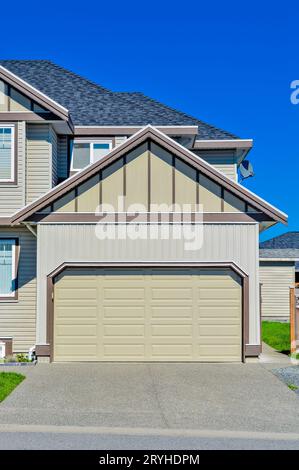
{"x": 246, "y": 169}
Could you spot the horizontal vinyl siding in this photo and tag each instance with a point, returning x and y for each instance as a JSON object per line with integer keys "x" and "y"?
{"x": 60, "y": 243}
{"x": 18, "y": 318}
{"x": 12, "y": 196}
{"x": 224, "y": 161}
{"x": 276, "y": 280}
{"x": 62, "y": 156}
{"x": 39, "y": 175}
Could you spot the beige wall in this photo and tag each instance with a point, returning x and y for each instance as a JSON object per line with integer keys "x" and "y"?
{"x": 12, "y": 197}
{"x": 224, "y": 161}
{"x": 60, "y": 243}
{"x": 41, "y": 159}
{"x": 155, "y": 177}
{"x": 276, "y": 279}
{"x": 18, "y": 317}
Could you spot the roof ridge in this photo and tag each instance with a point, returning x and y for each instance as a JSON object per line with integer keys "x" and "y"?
{"x": 182, "y": 113}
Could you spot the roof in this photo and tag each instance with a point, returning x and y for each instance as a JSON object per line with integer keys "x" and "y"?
{"x": 90, "y": 104}
{"x": 170, "y": 145}
{"x": 285, "y": 246}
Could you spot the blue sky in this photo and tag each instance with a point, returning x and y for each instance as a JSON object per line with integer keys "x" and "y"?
{"x": 228, "y": 63}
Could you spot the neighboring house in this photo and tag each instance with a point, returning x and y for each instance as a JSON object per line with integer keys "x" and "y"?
{"x": 278, "y": 272}
{"x": 67, "y": 146}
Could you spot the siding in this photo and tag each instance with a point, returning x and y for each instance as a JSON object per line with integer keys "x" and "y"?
{"x": 12, "y": 197}
{"x": 120, "y": 139}
{"x": 18, "y": 318}
{"x": 39, "y": 149}
{"x": 62, "y": 156}
{"x": 54, "y": 153}
{"x": 276, "y": 279}
{"x": 224, "y": 161}
{"x": 60, "y": 243}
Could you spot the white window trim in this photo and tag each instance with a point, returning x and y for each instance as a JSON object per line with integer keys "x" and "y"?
{"x": 13, "y": 271}
{"x": 12, "y": 163}
{"x": 91, "y": 142}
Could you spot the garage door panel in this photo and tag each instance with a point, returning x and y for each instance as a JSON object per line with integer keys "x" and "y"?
{"x": 148, "y": 315}
{"x": 168, "y": 312}
{"x": 124, "y": 330}
{"x": 124, "y": 311}
{"x": 122, "y": 351}
{"x": 171, "y": 330}
{"x": 77, "y": 312}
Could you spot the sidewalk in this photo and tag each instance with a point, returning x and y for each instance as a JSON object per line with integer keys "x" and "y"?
{"x": 271, "y": 356}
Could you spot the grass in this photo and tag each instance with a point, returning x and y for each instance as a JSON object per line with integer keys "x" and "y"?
{"x": 277, "y": 335}
{"x": 8, "y": 382}
{"x": 292, "y": 387}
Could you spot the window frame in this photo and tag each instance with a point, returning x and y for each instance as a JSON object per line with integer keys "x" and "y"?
{"x": 91, "y": 143}
{"x": 13, "y": 296}
{"x": 13, "y": 163}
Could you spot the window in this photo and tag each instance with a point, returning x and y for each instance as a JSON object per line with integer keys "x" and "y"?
{"x": 6, "y": 153}
{"x": 86, "y": 152}
{"x": 7, "y": 267}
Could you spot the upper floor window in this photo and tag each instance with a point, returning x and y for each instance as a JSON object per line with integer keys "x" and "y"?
{"x": 6, "y": 153}
{"x": 7, "y": 267}
{"x": 86, "y": 152}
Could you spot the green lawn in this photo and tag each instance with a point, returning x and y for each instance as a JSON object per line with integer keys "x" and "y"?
{"x": 8, "y": 382}
{"x": 277, "y": 335}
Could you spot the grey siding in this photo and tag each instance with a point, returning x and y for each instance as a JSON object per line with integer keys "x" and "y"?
{"x": 18, "y": 318}
{"x": 276, "y": 279}
{"x": 12, "y": 197}
{"x": 40, "y": 144}
{"x": 60, "y": 243}
{"x": 224, "y": 161}
{"x": 62, "y": 156}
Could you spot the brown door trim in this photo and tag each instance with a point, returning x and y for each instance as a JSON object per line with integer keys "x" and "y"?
{"x": 222, "y": 265}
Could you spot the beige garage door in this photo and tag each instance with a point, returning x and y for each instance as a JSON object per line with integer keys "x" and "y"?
{"x": 147, "y": 315}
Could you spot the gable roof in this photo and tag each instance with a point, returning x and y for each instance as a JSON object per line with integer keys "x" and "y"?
{"x": 90, "y": 104}
{"x": 285, "y": 246}
{"x": 170, "y": 145}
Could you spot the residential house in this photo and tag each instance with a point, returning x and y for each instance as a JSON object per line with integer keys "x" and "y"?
{"x": 70, "y": 282}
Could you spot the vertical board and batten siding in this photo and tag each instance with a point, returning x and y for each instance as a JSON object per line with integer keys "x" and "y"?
{"x": 276, "y": 279}
{"x": 18, "y": 317}
{"x": 223, "y": 161}
{"x": 41, "y": 160}
{"x": 12, "y": 197}
{"x": 62, "y": 156}
{"x": 59, "y": 243}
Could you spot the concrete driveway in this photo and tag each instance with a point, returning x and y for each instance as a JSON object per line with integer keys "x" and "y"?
{"x": 230, "y": 397}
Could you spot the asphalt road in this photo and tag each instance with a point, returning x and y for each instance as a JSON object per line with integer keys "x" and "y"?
{"x": 15, "y": 437}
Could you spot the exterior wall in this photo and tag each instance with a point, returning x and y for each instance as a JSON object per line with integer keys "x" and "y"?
{"x": 41, "y": 158}
{"x": 12, "y": 197}
{"x": 58, "y": 243}
{"x": 54, "y": 156}
{"x": 224, "y": 161}
{"x": 18, "y": 317}
{"x": 150, "y": 177}
{"x": 62, "y": 156}
{"x": 276, "y": 279}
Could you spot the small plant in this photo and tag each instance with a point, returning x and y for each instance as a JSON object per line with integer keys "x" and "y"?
{"x": 10, "y": 358}
{"x": 292, "y": 387}
{"x": 22, "y": 358}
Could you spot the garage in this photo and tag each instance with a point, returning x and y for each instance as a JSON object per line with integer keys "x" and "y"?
{"x": 147, "y": 314}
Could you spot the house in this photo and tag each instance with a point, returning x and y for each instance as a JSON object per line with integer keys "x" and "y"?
{"x": 100, "y": 259}
{"x": 278, "y": 272}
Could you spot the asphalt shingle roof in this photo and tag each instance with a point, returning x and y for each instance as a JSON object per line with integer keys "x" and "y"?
{"x": 282, "y": 246}
{"x": 91, "y": 104}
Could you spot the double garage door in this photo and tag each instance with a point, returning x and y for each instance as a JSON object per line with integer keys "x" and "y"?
{"x": 143, "y": 314}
